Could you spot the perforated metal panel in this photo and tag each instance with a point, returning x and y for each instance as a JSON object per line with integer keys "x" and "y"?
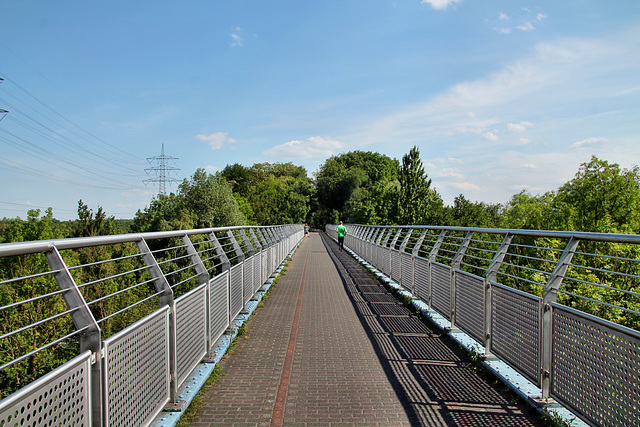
{"x": 61, "y": 398}
{"x": 421, "y": 277}
{"x": 441, "y": 289}
{"x": 191, "y": 324}
{"x": 247, "y": 280}
{"x": 395, "y": 265}
{"x": 596, "y": 368}
{"x": 235, "y": 279}
{"x": 515, "y": 320}
{"x": 264, "y": 258}
{"x": 407, "y": 271}
{"x": 136, "y": 371}
{"x": 470, "y": 304}
{"x": 257, "y": 272}
{"x": 218, "y": 306}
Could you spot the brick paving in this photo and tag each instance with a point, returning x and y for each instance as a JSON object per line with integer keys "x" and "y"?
{"x": 332, "y": 347}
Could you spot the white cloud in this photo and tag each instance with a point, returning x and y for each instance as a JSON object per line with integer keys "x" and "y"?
{"x": 216, "y": 140}
{"x": 527, "y": 26}
{"x": 503, "y": 16}
{"x": 316, "y": 147}
{"x": 441, "y": 4}
{"x": 491, "y": 136}
{"x": 519, "y": 127}
{"x": 466, "y": 186}
{"x": 236, "y": 37}
{"x": 211, "y": 169}
{"x": 590, "y": 143}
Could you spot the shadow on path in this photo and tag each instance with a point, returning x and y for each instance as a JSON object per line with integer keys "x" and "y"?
{"x": 432, "y": 377}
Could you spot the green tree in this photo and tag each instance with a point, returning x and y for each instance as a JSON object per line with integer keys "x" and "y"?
{"x": 601, "y": 197}
{"x": 465, "y": 213}
{"x": 418, "y": 203}
{"x": 203, "y": 201}
{"x": 358, "y": 186}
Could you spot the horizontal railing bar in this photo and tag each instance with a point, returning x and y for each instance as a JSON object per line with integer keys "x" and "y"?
{"x": 104, "y": 279}
{"x": 41, "y": 246}
{"x": 582, "y": 235}
{"x": 44, "y": 347}
{"x": 98, "y": 321}
{"x": 34, "y": 299}
{"x": 32, "y": 276}
{"x": 137, "y": 285}
{"x": 599, "y": 302}
{"x": 38, "y": 323}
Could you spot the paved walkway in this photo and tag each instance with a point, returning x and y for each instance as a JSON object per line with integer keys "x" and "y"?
{"x": 332, "y": 347}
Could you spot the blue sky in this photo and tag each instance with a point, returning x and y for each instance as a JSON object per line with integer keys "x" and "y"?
{"x": 500, "y": 96}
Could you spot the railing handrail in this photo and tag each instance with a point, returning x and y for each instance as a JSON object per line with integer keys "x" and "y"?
{"x": 40, "y": 246}
{"x": 582, "y": 235}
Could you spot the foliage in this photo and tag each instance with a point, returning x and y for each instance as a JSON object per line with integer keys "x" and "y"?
{"x": 271, "y": 193}
{"x": 418, "y": 203}
{"x": 358, "y": 187}
{"x": 203, "y": 201}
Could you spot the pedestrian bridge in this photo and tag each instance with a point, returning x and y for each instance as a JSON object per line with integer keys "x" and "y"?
{"x": 123, "y": 330}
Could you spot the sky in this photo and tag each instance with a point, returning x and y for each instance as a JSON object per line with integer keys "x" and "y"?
{"x": 500, "y": 96}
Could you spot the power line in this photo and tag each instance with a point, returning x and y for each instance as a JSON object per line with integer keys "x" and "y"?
{"x": 161, "y": 171}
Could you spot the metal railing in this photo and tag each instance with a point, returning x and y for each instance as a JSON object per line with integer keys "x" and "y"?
{"x": 104, "y": 330}
{"x": 561, "y": 308}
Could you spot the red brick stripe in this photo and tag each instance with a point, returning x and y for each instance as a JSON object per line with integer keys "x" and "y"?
{"x": 277, "y": 418}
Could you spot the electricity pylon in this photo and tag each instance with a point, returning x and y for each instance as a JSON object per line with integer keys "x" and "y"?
{"x": 2, "y": 112}
{"x": 161, "y": 171}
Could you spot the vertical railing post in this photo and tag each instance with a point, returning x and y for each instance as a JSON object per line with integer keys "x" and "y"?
{"x": 549, "y": 295}
{"x": 225, "y": 264}
{"x": 165, "y": 299}
{"x": 256, "y": 241}
{"x": 247, "y": 244}
{"x": 491, "y": 276}
{"x": 83, "y": 320}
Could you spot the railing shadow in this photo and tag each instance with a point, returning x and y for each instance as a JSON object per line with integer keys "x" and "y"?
{"x": 433, "y": 378}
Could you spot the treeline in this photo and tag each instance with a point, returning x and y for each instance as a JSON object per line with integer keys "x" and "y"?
{"x": 356, "y": 187}
{"x": 370, "y": 188}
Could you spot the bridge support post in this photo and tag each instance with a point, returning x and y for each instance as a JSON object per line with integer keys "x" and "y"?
{"x": 491, "y": 276}
{"x": 83, "y": 320}
{"x": 549, "y": 295}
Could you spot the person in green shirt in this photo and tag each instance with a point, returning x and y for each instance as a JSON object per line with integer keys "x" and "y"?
{"x": 342, "y": 231}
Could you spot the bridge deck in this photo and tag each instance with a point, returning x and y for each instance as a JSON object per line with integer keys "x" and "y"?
{"x": 332, "y": 347}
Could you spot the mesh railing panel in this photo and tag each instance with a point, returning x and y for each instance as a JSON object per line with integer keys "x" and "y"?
{"x": 137, "y": 371}
{"x": 441, "y": 289}
{"x": 235, "y": 281}
{"x": 595, "y": 369}
{"x": 191, "y": 336}
{"x": 407, "y": 271}
{"x": 257, "y": 272}
{"x": 421, "y": 277}
{"x": 395, "y": 265}
{"x": 61, "y": 397}
{"x": 247, "y": 279}
{"x": 218, "y": 308}
{"x": 515, "y": 320}
{"x": 470, "y": 304}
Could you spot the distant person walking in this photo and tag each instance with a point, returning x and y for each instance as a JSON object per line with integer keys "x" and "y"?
{"x": 306, "y": 230}
{"x": 342, "y": 231}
